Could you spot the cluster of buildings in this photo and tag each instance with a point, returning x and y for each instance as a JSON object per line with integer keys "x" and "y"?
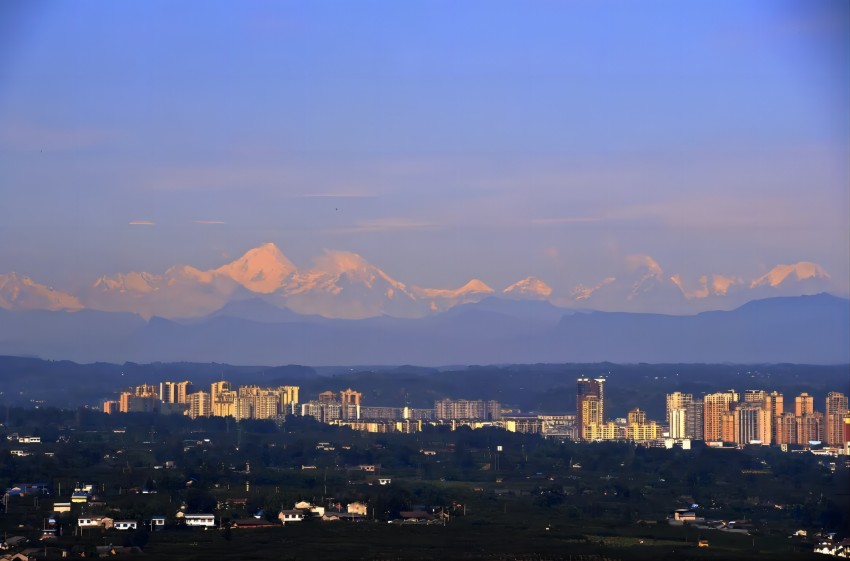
{"x": 754, "y": 417}
{"x": 342, "y": 408}
{"x": 246, "y": 402}
{"x": 759, "y": 417}
{"x": 590, "y": 417}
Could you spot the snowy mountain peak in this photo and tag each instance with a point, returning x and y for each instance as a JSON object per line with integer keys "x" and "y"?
{"x": 529, "y": 287}
{"x": 475, "y": 285}
{"x": 337, "y": 262}
{"x": 714, "y": 285}
{"x": 188, "y": 273}
{"x": 129, "y": 282}
{"x": 18, "y": 292}
{"x": 262, "y": 269}
{"x": 352, "y": 266}
{"x": 802, "y": 271}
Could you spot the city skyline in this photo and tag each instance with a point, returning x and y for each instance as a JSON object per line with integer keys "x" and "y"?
{"x": 568, "y": 142}
{"x": 751, "y": 417}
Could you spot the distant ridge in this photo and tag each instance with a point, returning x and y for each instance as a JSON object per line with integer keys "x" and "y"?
{"x": 801, "y": 329}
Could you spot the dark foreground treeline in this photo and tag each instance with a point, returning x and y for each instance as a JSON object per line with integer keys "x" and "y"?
{"x": 534, "y": 499}
{"x": 543, "y": 388}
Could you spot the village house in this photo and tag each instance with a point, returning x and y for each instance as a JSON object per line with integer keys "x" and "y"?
{"x": 290, "y": 516}
{"x": 199, "y": 520}
{"x": 156, "y": 523}
{"x": 357, "y": 508}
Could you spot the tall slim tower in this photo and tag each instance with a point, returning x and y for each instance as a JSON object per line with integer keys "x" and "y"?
{"x": 678, "y": 409}
{"x": 774, "y": 404}
{"x": 589, "y": 390}
{"x": 836, "y": 410}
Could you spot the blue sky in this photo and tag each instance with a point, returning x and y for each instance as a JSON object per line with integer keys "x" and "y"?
{"x": 441, "y": 140}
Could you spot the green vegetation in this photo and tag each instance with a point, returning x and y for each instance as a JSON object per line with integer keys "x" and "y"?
{"x": 548, "y": 499}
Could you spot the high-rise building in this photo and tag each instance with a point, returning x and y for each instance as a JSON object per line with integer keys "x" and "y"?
{"x": 754, "y": 396}
{"x": 678, "y": 406}
{"x": 243, "y": 407}
{"x": 124, "y": 402}
{"x": 835, "y": 412}
{"x": 810, "y": 427}
{"x": 589, "y": 389}
{"x": 774, "y": 404}
{"x": 199, "y": 404}
{"x": 803, "y": 404}
{"x": 324, "y": 412}
{"x": 591, "y": 416}
{"x": 636, "y": 415}
{"x": 143, "y": 399}
{"x": 677, "y": 400}
{"x": 288, "y": 398}
{"x": 110, "y": 407}
{"x": 715, "y": 406}
{"x": 223, "y": 399}
{"x": 694, "y": 424}
{"x": 846, "y": 430}
{"x": 174, "y": 392}
{"x": 728, "y": 427}
{"x": 350, "y": 401}
{"x": 327, "y": 397}
{"x": 785, "y": 428}
{"x": 678, "y": 423}
{"x": 463, "y": 409}
{"x": 752, "y": 422}
{"x": 147, "y": 390}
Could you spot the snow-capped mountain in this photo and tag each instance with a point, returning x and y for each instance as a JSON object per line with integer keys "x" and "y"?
{"x": 342, "y": 284}
{"x": 781, "y": 274}
{"x": 19, "y": 292}
{"x": 529, "y": 287}
{"x": 443, "y": 299}
{"x": 640, "y": 285}
{"x": 263, "y": 269}
{"x": 182, "y": 291}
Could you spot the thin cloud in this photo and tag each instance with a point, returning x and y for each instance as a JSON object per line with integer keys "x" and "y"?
{"x": 335, "y": 196}
{"x": 208, "y": 222}
{"x": 564, "y": 220}
{"x": 141, "y": 223}
{"x": 390, "y": 225}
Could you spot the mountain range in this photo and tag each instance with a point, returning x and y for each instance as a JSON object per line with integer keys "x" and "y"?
{"x": 344, "y": 285}
{"x": 261, "y": 309}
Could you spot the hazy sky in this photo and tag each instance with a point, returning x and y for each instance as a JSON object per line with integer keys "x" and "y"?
{"x": 440, "y": 140}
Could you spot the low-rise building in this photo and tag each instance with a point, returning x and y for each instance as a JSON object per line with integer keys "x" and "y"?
{"x": 357, "y": 508}
{"x": 79, "y": 497}
{"x": 95, "y": 522}
{"x": 200, "y": 520}
{"x": 126, "y": 525}
{"x": 290, "y": 516}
